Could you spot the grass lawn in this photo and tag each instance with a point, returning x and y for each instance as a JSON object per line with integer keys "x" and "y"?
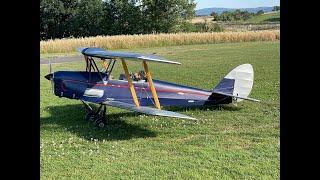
{"x": 229, "y": 141}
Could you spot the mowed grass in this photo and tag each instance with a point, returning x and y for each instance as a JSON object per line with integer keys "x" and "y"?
{"x": 238, "y": 141}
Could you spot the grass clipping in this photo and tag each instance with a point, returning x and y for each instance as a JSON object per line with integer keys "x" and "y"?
{"x": 154, "y": 40}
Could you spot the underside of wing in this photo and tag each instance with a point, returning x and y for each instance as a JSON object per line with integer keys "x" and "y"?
{"x": 146, "y": 110}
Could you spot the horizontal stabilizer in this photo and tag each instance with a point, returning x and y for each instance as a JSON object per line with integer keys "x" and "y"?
{"x": 238, "y": 97}
{"x": 146, "y": 110}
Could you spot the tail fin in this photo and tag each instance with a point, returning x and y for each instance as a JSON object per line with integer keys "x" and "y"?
{"x": 237, "y": 84}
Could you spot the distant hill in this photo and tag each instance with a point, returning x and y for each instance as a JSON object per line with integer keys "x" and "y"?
{"x": 267, "y": 17}
{"x": 208, "y": 11}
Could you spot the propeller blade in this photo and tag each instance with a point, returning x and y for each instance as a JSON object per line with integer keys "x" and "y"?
{"x": 50, "y": 76}
{"x": 52, "y": 85}
{"x": 50, "y": 68}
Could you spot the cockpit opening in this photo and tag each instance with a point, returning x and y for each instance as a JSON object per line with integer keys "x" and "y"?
{"x": 138, "y": 76}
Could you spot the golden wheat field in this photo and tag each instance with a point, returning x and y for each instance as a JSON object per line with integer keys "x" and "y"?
{"x": 153, "y": 40}
{"x": 202, "y": 19}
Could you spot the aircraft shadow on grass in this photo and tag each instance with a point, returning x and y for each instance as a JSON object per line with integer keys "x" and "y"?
{"x": 71, "y": 118}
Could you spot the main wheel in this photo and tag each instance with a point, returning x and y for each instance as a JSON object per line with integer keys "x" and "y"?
{"x": 100, "y": 122}
{"x": 90, "y": 117}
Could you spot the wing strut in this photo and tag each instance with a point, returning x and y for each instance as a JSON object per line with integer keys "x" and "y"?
{"x": 152, "y": 88}
{"x": 131, "y": 86}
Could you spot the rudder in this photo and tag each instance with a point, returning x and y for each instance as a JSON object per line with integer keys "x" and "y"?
{"x": 237, "y": 82}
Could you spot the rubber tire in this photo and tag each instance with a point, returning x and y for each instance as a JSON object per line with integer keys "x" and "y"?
{"x": 90, "y": 117}
{"x": 101, "y": 124}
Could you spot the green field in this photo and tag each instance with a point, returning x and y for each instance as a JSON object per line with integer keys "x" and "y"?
{"x": 238, "y": 141}
{"x": 265, "y": 18}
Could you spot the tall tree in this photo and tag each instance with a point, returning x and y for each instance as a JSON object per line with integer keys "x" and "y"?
{"x": 55, "y": 16}
{"x": 126, "y": 16}
{"x": 163, "y": 15}
{"x": 88, "y": 18}
{"x": 214, "y": 14}
{"x": 78, "y": 18}
{"x": 276, "y": 8}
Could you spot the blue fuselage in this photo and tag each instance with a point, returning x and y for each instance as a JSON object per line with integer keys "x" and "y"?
{"x": 91, "y": 88}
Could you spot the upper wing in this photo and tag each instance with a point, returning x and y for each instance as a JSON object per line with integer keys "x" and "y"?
{"x": 146, "y": 110}
{"x": 101, "y": 53}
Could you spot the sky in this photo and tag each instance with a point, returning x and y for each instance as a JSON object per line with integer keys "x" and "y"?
{"x": 235, "y": 3}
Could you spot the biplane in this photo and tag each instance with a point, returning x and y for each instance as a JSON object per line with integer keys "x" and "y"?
{"x": 139, "y": 92}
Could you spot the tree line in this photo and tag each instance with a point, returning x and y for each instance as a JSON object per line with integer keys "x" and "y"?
{"x": 236, "y": 15}
{"x": 81, "y": 18}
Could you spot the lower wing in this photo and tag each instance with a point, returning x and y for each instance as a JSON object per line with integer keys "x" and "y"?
{"x": 146, "y": 110}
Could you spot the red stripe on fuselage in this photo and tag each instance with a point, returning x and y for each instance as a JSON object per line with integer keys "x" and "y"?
{"x": 121, "y": 86}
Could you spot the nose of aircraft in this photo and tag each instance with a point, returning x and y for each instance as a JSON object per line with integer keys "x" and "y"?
{"x": 49, "y": 76}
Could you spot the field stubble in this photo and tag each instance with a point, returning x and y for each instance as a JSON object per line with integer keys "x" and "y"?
{"x": 154, "y": 40}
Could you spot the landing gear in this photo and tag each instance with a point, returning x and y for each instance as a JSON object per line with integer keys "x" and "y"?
{"x": 97, "y": 117}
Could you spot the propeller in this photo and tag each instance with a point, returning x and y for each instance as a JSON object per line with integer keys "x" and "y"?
{"x": 50, "y": 76}
{"x": 50, "y": 67}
